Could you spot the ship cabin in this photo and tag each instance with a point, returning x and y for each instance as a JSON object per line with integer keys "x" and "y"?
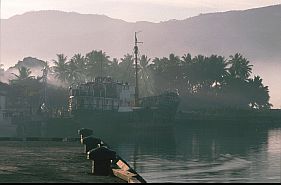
{"x": 166, "y": 100}
{"x": 103, "y": 94}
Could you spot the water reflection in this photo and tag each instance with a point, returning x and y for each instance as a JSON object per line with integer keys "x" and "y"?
{"x": 199, "y": 153}
{"x": 208, "y": 143}
{"x": 274, "y": 142}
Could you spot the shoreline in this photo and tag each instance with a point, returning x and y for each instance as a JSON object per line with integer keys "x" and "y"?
{"x": 268, "y": 116}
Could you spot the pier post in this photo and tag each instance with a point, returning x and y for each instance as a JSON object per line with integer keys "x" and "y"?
{"x": 91, "y": 143}
{"x": 101, "y": 160}
{"x": 84, "y": 132}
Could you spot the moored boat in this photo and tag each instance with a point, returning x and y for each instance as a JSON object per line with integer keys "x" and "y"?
{"x": 112, "y": 103}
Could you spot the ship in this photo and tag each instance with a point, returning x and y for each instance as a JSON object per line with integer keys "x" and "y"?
{"x": 112, "y": 103}
{"x": 105, "y": 103}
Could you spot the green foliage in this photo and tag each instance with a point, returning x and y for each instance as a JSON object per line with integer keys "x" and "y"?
{"x": 240, "y": 67}
{"x": 25, "y": 90}
{"x": 202, "y": 81}
{"x": 60, "y": 68}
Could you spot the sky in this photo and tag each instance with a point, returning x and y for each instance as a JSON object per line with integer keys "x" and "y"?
{"x": 133, "y": 10}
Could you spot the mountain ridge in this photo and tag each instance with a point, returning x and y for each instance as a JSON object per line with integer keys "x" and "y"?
{"x": 257, "y": 30}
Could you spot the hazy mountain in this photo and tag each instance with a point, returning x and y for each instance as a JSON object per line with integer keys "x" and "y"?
{"x": 43, "y": 34}
{"x": 256, "y": 33}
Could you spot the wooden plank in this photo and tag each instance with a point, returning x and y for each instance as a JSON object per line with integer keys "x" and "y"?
{"x": 125, "y": 175}
{"x": 123, "y": 165}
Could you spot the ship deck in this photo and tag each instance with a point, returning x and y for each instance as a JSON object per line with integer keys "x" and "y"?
{"x": 47, "y": 162}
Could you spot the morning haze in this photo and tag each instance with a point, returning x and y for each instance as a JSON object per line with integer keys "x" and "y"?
{"x": 134, "y": 10}
{"x": 255, "y": 33}
{"x": 140, "y": 91}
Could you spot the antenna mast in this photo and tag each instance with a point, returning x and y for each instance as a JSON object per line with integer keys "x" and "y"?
{"x": 136, "y": 51}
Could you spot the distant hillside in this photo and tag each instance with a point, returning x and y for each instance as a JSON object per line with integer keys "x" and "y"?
{"x": 43, "y": 34}
{"x": 256, "y": 33}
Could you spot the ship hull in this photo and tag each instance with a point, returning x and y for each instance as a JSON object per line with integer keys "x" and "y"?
{"x": 99, "y": 121}
{"x": 8, "y": 130}
{"x": 107, "y": 120}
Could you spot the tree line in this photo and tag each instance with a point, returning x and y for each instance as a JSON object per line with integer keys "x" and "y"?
{"x": 203, "y": 82}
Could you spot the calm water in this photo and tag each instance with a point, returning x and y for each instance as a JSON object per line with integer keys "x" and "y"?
{"x": 202, "y": 153}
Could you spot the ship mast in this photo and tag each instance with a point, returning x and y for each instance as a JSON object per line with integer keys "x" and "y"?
{"x": 45, "y": 77}
{"x": 44, "y": 98}
{"x": 136, "y": 51}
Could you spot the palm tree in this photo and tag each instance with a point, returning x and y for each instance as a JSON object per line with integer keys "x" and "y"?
{"x": 187, "y": 58}
{"x": 72, "y": 72}
{"x": 113, "y": 68}
{"x": 145, "y": 76}
{"x": 174, "y": 71}
{"x": 240, "y": 67}
{"x": 46, "y": 70}
{"x": 97, "y": 63}
{"x": 196, "y": 73}
{"x": 24, "y": 73}
{"x": 77, "y": 66}
{"x": 217, "y": 70}
{"x": 166, "y": 73}
{"x": 27, "y": 88}
{"x": 160, "y": 74}
{"x": 127, "y": 70}
{"x": 186, "y": 63}
{"x": 60, "y": 67}
{"x": 258, "y": 94}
